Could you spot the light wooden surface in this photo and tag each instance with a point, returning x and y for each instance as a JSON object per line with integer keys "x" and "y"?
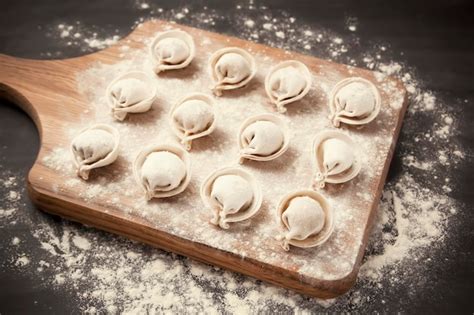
{"x": 47, "y": 91}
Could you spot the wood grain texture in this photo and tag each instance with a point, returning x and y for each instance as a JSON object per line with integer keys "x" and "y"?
{"x": 42, "y": 88}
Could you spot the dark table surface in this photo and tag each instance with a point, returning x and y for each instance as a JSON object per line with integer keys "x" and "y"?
{"x": 436, "y": 38}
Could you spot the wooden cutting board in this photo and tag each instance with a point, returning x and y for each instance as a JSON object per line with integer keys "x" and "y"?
{"x": 48, "y": 91}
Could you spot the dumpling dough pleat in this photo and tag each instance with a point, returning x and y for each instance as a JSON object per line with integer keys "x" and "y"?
{"x": 233, "y": 194}
{"x": 132, "y": 92}
{"x": 232, "y": 68}
{"x": 355, "y": 100}
{"x": 172, "y": 51}
{"x": 287, "y": 83}
{"x": 93, "y": 145}
{"x": 193, "y": 116}
{"x": 162, "y": 171}
{"x": 335, "y": 157}
{"x": 338, "y": 156}
{"x": 128, "y": 92}
{"x": 263, "y": 138}
{"x": 303, "y": 217}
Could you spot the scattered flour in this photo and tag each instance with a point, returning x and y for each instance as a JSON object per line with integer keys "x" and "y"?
{"x": 351, "y": 24}
{"x": 15, "y": 241}
{"x": 144, "y": 6}
{"x": 110, "y": 274}
{"x": 81, "y": 242}
{"x": 22, "y": 261}
{"x": 280, "y": 34}
{"x": 80, "y": 36}
{"x": 249, "y": 23}
{"x": 101, "y": 43}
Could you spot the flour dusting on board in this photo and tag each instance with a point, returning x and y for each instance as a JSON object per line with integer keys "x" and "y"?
{"x": 254, "y": 238}
{"x": 109, "y": 273}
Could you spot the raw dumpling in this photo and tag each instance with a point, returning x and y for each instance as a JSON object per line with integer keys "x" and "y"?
{"x": 162, "y": 171}
{"x": 303, "y": 217}
{"x": 263, "y": 138}
{"x": 287, "y": 82}
{"x": 354, "y": 101}
{"x": 94, "y": 147}
{"x": 133, "y": 92}
{"x": 307, "y": 219}
{"x": 338, "y": 156}
{"x": 172, "y": 50}
{"x": 231, "y": 68}
{"x": 193, "y": 117}
{"x": 232, "y": 194}
{"x": 335, "y": 159}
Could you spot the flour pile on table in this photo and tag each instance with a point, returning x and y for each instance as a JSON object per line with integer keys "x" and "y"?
{"x": 104, "y": 271}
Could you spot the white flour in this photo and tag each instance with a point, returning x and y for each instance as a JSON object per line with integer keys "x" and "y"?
{"x": 107, "y": 272}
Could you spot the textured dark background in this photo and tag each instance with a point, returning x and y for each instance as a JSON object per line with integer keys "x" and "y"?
{"x": 436, "y": 38}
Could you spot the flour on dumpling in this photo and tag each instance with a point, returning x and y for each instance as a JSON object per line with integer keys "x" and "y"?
{"x": 132, "y": 92}
{"x": 172, "y": 50}
{"x": 303, "y": 217}
{"x": 335, "y": 159}
{"x": 232, "y": 194}
{"x": 287, "y": 82}
{"x": 193, "y": 117}
{"x": 94, "y": 147}
{"x": 354, "y": 101}
{"x": 263, "y": 137}
{"x": 231, "y": 68}
{"x": 338, "y": 156}
{"x": 306, "y": 218}
{"x": 128, "y": 92}
{"x": 162, "y": 171}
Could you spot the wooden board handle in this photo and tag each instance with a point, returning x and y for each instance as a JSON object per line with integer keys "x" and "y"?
{"x": 49, "y": 86}
{"x": 44, "y": 89}
{"x": 16, "y": 74}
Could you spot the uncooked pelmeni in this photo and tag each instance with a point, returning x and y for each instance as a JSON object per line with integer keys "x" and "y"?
{"x": 335, "y": 158}
{"x": 231, "y": 68}
{"x": 306, "y": 218}
{"x": 263, "y": 138}
{"x": 162, "y": 171}
{"x": 354, "y": 101}
{"x": 338, "y": 156}
{"x": 232, "y": 194}
{"x": 94, "y": 147}
{"x": 287, "y": 82}
{"x": 172, "y": 50}
{"x": 193, "y": 117}
{"x": 132, "y": 92}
